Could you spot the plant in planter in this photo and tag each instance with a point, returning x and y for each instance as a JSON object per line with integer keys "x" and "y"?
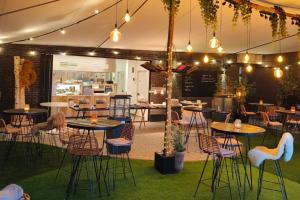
{"x": 178, "y": 142}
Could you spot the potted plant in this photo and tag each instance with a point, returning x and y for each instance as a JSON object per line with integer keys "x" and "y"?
{"x": 178, "y": 143}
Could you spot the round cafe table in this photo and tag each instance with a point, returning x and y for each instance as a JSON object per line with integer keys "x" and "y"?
{"x": 19, "y": 114}
{"x": 285, "y": 114}
{"x": 247, "y": 131}
{"x": 87, "y": 126}
{"x": 261, "y": 106}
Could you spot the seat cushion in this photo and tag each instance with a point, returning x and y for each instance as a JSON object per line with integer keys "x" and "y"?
{"x": 274, "y": 123}
{"x": 119, "y": 142}
{"x": 227, "y": 153}
{"x": 231, "y": 143}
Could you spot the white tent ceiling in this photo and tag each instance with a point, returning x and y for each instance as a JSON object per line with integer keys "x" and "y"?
{"x": 147, "y": 30}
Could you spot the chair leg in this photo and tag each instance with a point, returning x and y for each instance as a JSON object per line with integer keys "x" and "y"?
{"x": 130, "y": 167}
{"x": 76, "y": 162}
{"x": 61, "y": 164}
{"x": 215, "y": 177}
{"x": 260, "y": 179}
{"x": 280, "y": 180}
{"x": 228, "y": 178}
{"x": 200, "y": 179}
{"x": 237, "y": 174}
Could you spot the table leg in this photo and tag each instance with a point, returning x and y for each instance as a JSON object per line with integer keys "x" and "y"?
{"x": 247, "y": 148}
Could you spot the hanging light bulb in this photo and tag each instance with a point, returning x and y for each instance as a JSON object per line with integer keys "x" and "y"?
{"x": 63, "y": 31}
{"x": 246, "y": 58}
{"x": 189, "y": 47}
{"x": 249, "y": 68}
{"x": 280, "y": 59}
{"x": 220, "y": 49}
{"x": 214, "y": 42}
{"x": 278, "y": 73}
{"x": 115, "y": 35}
{"x": 127, "y": 16}
{"x": 206, "y": 59}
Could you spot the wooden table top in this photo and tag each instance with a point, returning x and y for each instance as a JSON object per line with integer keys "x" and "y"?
{"x": 289, "y": 112}
{"x": 261, "y": 104}
{"x": 102, "y": 124}
{"x": 21, "y": 111}
{"x": 245, "y": 130}
{"x": 197, "y": 109}
{"x": 55, "y": 104}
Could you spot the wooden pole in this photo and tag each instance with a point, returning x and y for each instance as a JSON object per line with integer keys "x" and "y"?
{"x": 168, "y": 131}
{"x": 19, "y": 90}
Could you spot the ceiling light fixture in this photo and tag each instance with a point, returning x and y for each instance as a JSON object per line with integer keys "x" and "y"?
{"x": 63, "y": 53}
{"x": 196, "y": 62}
{"x": 189, "y": 46}
{"x": 127, "y": 16}
{"x": 32, "y": 53}
{"x": 246, "y": 57}
{"x": 31, "y": 39}
{"x": 206, "y": 58}
{"x": 115, "y": 35}
{"x": 220, "y": 49}
{"x": 116, "y": 52}
{"x": 92, "y": 53}
{"x": 96, "y": 11}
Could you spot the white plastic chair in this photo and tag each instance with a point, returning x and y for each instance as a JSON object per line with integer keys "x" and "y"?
{"x": 260, "y": 154}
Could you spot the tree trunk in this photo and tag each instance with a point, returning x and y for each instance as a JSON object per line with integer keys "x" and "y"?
{"x": 168, "y": 131}
{"x": 19, "y": 90}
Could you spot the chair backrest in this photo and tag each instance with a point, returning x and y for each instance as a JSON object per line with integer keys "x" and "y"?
{"x": 174, "y": 116}
{"x": 128, "y": 131}
{"x": 264, "y": 117}
{"x": 243, "y": 109}
{"x": 57, "y": 120}
{"x": 285, "y": 147}
{"x": 83, "y": 145}
{"x": 209, "y": 144}
{"x": 227, "y": 119}
{"x": 271, "y": 110}
{"x": 2, "y": 126}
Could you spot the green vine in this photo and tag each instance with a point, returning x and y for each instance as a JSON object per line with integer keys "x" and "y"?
{"x": 236, "y": 14}
{"x": 274, "y": 25}
{"x": 209, "y": 13}
{"x": 167, "y": 4}
{"x": 246, "y": 10}
{"x": 282, "y": 22}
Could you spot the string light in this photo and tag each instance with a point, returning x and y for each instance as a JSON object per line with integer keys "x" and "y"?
{"x": 96, "y": 11}
{"x": 206, "y": 59}
{"x": 249, "y": 68}
{"x": 220, "y": 49}
{"x": 278, "y": 73}
{"x": 196, "y": 62}
{"x": 214, "y": 42}
{"x": 63, "y": 53}
{"x": 63, "y": 31}
{"x": 127, "y": 16}
{"x": 189, "y": 47}
{"x": 246, "y": 58}
{"x": 31, "y": 39}
{"x": 1, "y": 41}
{"x": 115, "y": 35}
{"x": 116, "y": 52}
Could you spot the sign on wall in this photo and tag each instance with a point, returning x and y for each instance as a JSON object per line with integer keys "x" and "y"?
{"x": 199, "y": 84}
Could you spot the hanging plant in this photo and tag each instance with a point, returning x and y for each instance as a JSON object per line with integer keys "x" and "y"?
{"x": 246, "y": 10}
{"x": 282, "y": 22}
{"x": 274, "y": 25}
{"x": 236, "y": 14}
{"x": 167, "y": 4}
{"x": 209, "y": 13}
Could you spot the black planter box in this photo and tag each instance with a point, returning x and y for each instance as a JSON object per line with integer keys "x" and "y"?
{"x": 164, "y": 164}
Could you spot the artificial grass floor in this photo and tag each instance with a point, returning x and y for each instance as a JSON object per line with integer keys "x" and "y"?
{"x": 37, "y": 178}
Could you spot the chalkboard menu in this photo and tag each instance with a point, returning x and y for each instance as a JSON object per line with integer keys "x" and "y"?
{"x": 199, "y": 84}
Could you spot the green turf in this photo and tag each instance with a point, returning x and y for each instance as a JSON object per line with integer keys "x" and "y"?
{"x": 37, "y": 178}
